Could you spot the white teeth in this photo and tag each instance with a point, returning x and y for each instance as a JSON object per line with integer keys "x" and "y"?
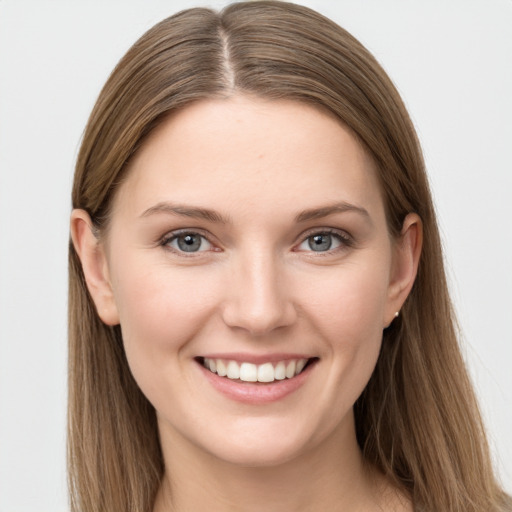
{"x": 300, "y": 366}
{"x": 222, "y": 371}
{"x": 249, "y": 372}
{"x": 266, "y": 372}
{"x": 280, "y": 371}
{"x": 290, "y": 369}
{"x": 233, "y": 370}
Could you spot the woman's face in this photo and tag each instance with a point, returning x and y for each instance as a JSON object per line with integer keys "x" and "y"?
{"x": 250, "y": 237}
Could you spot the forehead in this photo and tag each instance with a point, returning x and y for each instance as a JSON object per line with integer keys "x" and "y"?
{"x": 253, "y": 153}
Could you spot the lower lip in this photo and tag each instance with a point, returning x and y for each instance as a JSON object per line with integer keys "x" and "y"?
{"x": 257, "y": 392}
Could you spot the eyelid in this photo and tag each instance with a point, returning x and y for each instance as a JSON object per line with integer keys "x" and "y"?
{"x": 345, "y": 238}
{"x": 172, "y": 235}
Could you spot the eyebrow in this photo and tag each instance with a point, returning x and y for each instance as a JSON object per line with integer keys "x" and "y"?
{"x": 325, "y": 211}
{"x": 185, "y": 211}
{"x": 213, "y": 216}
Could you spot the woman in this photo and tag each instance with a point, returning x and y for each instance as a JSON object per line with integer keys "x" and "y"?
{"x": 259, "y": 316}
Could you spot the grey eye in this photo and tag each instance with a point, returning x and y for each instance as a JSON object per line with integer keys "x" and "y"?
{"x": 323, "y": 242}
{"x": 189, "y": 242}
{"x": 320, "y": 242}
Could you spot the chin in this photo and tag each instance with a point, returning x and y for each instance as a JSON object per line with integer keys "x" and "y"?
{"x": 263, "y": 447}
{"x": 257, "y": 456}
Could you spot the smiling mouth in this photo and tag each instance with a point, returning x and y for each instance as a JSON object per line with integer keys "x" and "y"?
{"x": 249, "y": 372}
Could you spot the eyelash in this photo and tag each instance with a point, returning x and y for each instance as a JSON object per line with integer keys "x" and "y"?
{"x": 175, "y": 235}
{"x": 344, "y": 239}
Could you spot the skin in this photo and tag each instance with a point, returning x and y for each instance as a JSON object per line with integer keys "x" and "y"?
{"x": 255, "y": 287}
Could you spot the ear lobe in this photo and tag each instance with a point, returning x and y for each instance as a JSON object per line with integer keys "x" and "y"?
{"x": 406, "y": 259}
{"x": 94, "y": 264}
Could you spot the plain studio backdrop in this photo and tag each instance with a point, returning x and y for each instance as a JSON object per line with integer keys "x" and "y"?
{"x": 452, "y": 63}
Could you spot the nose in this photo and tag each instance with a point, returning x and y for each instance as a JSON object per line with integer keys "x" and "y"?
{"x": 258, "y": 299}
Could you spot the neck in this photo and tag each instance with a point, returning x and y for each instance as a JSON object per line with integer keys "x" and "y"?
{"x": 330, "y": 477}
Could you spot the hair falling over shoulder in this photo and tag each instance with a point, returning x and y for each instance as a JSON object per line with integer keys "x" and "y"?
{"x": 417, "y": 420}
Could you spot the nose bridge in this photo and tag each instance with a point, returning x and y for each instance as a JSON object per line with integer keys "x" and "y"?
{"x": 258, "y": 299}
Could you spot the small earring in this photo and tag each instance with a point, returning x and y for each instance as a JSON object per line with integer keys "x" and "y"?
{"x": 397, "y": 314}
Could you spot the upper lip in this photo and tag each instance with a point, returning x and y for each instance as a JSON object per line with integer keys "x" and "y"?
{"x": 256, "y": 358}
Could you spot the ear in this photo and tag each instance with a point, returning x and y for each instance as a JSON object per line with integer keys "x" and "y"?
{"x": 95, "y": 266}
{"x": 406, "y": 257}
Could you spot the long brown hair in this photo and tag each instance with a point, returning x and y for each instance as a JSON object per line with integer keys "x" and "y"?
{"x": 417, "y": 420}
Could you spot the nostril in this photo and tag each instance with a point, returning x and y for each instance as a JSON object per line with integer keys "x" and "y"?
{"x": 259, "y": 320}
{"x": 256, "y": 299}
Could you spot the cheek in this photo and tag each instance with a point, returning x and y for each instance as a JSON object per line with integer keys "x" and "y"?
{"x": 160, "y": 312}
{"x": 350, "y": 304}
{"x": 348, "y": 317}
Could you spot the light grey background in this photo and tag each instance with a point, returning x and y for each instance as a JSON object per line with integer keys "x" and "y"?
{"x": 452, "y": 62}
